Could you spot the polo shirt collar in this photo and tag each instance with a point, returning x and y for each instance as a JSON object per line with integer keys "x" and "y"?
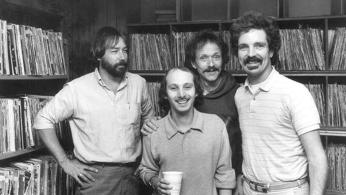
{"x": 171, "y": 128}
{"x": 100, "y": 81}
{"x": 267, "y": 84}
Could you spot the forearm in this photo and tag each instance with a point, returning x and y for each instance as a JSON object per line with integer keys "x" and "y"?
{"x": 318, "y": 173}
{"x": 50, "y": 139}
{"x": 317, "y": 161}
{"x": 225, "y": 191}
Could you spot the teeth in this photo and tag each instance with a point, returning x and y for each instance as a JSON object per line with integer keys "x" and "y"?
{"x": 182, "y": 101}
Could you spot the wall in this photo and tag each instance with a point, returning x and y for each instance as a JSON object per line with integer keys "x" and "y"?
{"x": 208, "y": 10}
{"x": 86, "y": 18}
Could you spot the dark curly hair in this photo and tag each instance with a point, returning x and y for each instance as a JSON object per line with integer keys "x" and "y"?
{"x": 256, "y": 20}
{"x": 198, "y": 41}
{"x": 163, "y": 98}
{"x": 106, "y": 37}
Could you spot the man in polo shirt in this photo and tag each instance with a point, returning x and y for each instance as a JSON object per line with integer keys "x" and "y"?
{"x": 104, "y": 109}
{"x": 187, "y": 140}
{"x": 278, "y": 118}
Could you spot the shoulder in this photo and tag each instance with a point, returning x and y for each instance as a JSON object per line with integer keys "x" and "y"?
{"x": 157, "y": 135}
{"x": 240, "y": 91}
{"x": 212, "y": 122}
{"x": 292, "y": 87}
{"x": 212, "y": 117}
{"x": 135, "y": 78}
{"x": 85, "y": 79}
{"x": 230, "y": 80}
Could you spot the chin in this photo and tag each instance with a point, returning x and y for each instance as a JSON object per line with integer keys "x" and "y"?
{"x": 183, "y": 110}
{"x": 211, "y": 78}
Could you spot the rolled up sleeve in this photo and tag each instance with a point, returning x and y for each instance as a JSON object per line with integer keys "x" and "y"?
{"x": 56, "y": 110}
{"x": 147, "y": 105}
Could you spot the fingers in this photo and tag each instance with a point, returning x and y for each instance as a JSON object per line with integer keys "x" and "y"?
{"x": 144, "y": 131}
{"x": 80, "y": 172}
{"x": 152, "y": 124}
{"x": 84, "y": 174}
{"x": 86, "y": 177}
{"x": 164, "y": 187}
{"x": 92, "y": 169}
{"x": 78, "y": 180}
{"x": 149, "y": 127}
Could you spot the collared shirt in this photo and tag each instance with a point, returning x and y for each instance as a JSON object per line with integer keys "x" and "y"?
{"x": 202, "y": 153}
{"x": 105, "y": 126}
{"x": 271, "y": 120}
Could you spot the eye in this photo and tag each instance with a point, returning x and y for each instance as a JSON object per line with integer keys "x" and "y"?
{"x": 172, "y": 88}
{"x": 242, "y": 47}
{"x": 203, "y": 58}
{"x": 216, "y": 57}
{"x": 189, "y": 86}
{"x": 260, "y": 45}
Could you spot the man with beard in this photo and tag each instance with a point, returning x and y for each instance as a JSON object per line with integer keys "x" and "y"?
{"x": 278, "y": 118}
{"x": 104, "y": 109}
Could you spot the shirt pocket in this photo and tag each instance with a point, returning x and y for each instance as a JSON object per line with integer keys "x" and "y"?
{"x": 129, "y": 113}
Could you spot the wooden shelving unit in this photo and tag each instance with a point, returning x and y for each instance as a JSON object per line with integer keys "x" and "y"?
{"x": 28, "y": 151}
{"x": 323, "y": 77}
{"x": 22, "y": 13}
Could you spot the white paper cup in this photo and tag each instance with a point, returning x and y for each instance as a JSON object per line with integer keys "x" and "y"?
{"x": 174, "y": 178}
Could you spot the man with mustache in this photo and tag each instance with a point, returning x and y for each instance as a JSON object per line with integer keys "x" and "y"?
{"x": 206, "y": 56}
{"x": 278, "y": 118}
{"x": 105, "y": 109}
{"x": 187, "y": 140}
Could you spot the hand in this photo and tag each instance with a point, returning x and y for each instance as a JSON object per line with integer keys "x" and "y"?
{"x": 149, "y": 126}
{"x": 239, "y": 189}
{"x": 79, "y": 171}
{"x": 162, "y": 186}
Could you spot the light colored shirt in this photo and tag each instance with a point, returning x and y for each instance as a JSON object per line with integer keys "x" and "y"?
{"x": 105, "y": 126}
{"x": 202, "y": 153}
{"x": 271, "y": 120}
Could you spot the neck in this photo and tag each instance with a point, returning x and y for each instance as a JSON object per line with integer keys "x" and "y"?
{"x": 209, "y": 86}
{"x": 109, "y": 80}
{"x": 183, "y": 120}
{"x": 260, "y": 78}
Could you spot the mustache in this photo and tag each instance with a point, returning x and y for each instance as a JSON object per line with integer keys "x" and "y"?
{"x": 122, "y": 63}
{"x": 211, "y": 69}
{"x": 184, "y": 98}
{"x": 253, "y": 59}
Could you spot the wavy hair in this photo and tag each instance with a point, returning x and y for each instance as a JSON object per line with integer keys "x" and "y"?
{"x": 198, "y": 41}
{"x": 256, "y": 20}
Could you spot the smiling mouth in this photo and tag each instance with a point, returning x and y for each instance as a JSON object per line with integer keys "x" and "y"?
{"x": 212, "y": 72}
{"x": 182, "y": 101}
{"x": 252, "y": 65}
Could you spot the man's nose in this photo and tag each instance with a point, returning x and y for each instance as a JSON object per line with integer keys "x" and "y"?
{"x": 122, "y": 55}
{"x": 181, "y": 92}
{"x": 211, "y": 61}
{"x": 252, "y": 51}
